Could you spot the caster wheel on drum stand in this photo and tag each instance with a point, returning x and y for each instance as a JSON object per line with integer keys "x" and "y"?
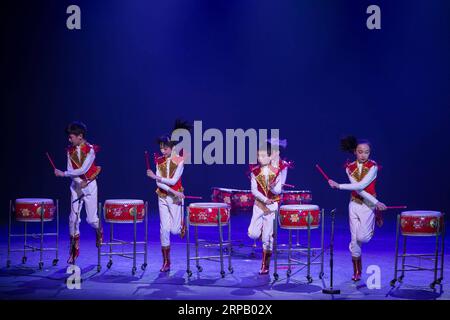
{"x": 55, "y": 262}
{"x": 432, "y": 285}
{"x": 438, "y": 281}
{"x": 392, "y": 283}
{"x": 24, "y": 260}
{"x": 8, "y": 263}
{"x": 143, "y": 267}
{"x": 309, "y": 278}
{"x": 199, "y": 268}
{"x": 400, "y": 279}
{"x": 109, "y": 264}
{"x": 275, "y": 276}
{"x": 222, "y": 274}
{"x": 189, "y": 273}
{"x": 321, "y": 275}
{"x": 288, "y": 273}
{"x": 99, "y": 268}
{"x": 133, "y": 271}
{"x": 231, "y": 269}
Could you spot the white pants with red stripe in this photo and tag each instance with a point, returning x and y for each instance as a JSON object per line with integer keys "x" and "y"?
{"x": 89, "y": 201}
{"x": 261, "y": 225}
{"x": 170, "y": 215}
{"x": 362, "y": 223}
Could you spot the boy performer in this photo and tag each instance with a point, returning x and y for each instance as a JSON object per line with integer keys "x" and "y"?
{"x": 266, "y": 187}
{"x": 83, "y": 171}
{"x": 169, "y": 169}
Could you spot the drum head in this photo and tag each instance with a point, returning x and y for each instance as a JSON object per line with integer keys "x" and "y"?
{"x": 124, "y": 202}
{"x": 299, "y": 207}
{"x": 296, "y": 191}
{"x": 209, "y": 205}
{"x": 34, "y": 201}
{"x": 421, "y": 213}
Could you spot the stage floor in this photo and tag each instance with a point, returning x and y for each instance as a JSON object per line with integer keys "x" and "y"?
{"x": 26, "y": 281}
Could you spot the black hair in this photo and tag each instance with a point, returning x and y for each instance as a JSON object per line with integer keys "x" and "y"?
{"x": 77, "y": 128}
{"x": 350, "y": 143}
{"x": 166, "y": 139}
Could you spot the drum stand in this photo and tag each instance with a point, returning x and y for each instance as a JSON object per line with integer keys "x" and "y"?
{"x": 40, "y": 236}
{"x": 117, "y": 242}
{"x": 431, "y": 257}
{"x": 331, "y": 290}
{"x": 302, "y": 251}
{"x": 198, "y": 243}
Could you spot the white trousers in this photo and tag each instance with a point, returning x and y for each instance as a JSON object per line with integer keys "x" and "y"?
{"x": 90, "y": 203}
{"x": 362, "y": 223}
{"x": 261, "y": 225}
{"x": 170, "y": 216}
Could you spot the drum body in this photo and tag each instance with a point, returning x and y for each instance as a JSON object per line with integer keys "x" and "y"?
{"x": 242, "y": 200}
{"x": 30, "y": 209}
{"x": 124, "y": 210}
{"x": 222, "y": 195}
{"x": 297, "y": 216}
{"x": 296, "y": 197}
{"x": 207, "y": 213}
{"x": 421, "y": 223}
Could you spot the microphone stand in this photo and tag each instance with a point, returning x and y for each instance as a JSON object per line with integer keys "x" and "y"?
{"x": 331, "y": 290}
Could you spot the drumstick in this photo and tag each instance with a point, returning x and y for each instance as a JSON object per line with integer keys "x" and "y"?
{"x": 192, "y": 197}
{"x": 51, "y": 161}
{"x": 288, "y": 185}
{"x": 396, "y": 207}
{"x": 147, "y": 161}
{"x": 322, "y": 172}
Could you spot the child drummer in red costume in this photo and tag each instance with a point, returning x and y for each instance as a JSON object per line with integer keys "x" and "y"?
{"x": 266, "y": 184}
{"x": 362, "y": 174}
{"x": 83, "y": 171}
{"x": 169, "y": 169}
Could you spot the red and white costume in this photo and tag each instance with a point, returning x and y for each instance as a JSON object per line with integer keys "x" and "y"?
{"x": 170, "y": 207}
{"x": 81, "y": 167}
{"x": 362, "y": 178}
{"x": 266, "y": 184}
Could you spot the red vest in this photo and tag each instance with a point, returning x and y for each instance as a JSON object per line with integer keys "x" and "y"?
{"x": 77, "y": 162}
{"x": 354, "y": 172}
{"x": 161, "y": 163}
{"x": 263, "y": 185}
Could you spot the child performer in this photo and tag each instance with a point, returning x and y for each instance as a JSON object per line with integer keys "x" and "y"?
{"x": 362, "y": 174}
{"x": 169, "y": 169}
{"x": 266, "y": 187}
{"x": 83, "y": 171}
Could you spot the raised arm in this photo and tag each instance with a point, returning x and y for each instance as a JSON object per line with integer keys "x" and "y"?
{"x": 361, "y": 185}
{"x": 255, "y": 191}
{"x": 176, "y": 176}
{"x": 71, "y": 172}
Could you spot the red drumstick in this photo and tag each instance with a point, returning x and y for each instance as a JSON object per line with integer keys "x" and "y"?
{"x": 147, "y": 161}
{"x": 322, "y": 172}
{"x": 51, "y": 161}
{"x": 192, "y": 197}
{"x": 288, "y": 185}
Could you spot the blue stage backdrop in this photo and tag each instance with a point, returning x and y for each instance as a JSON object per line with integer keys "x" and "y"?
{"x": 310, "y": 68}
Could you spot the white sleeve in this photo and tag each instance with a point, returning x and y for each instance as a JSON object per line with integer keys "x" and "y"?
{"x": 176, "y": 175}
{"x": 363, "y": 193}
{"x": 70, "y": 169}
{"x": 283, "y": 176}
{"x": 255, "y": 190}
{"x": 163, "y": 186}
{"x": 359, "y": 186}
{"x": 368, "y": 197}
{"x": 277, "y": 188}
